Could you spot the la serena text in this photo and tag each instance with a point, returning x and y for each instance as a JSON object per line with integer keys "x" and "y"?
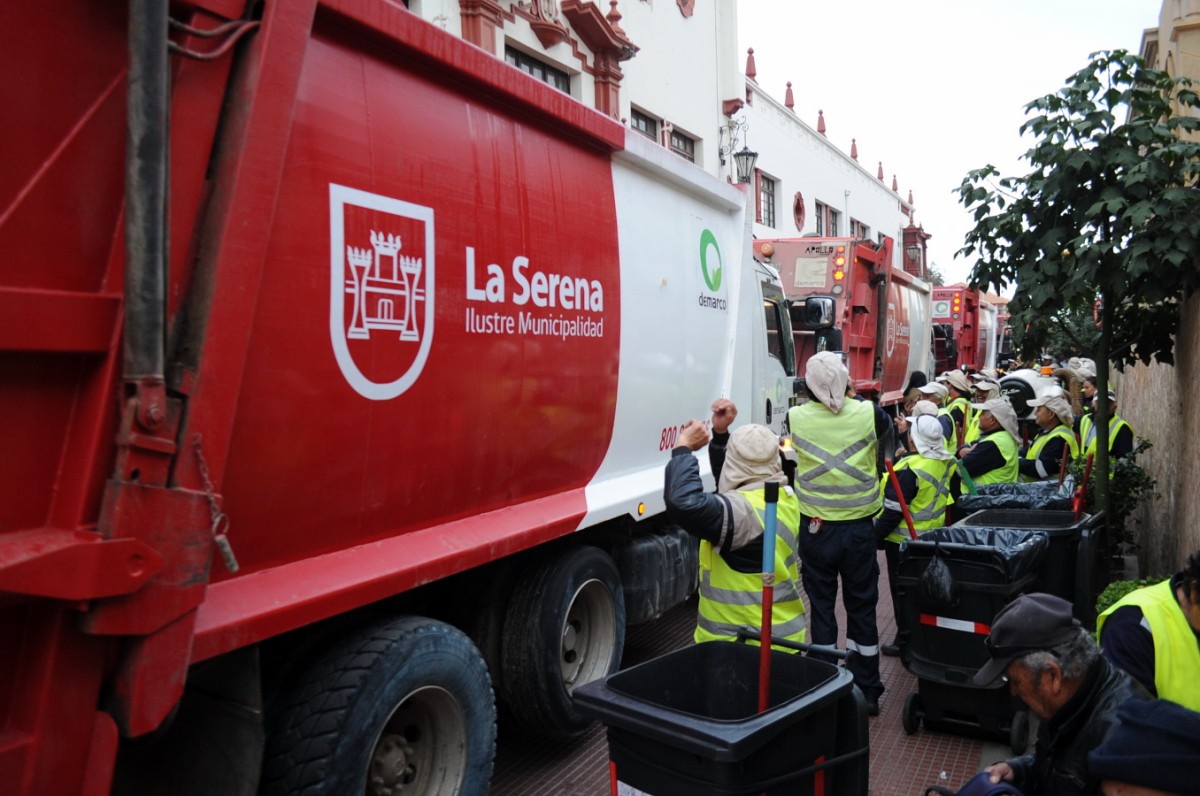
{"x": 539, "y": 288}
{"x": 582, "y": 298}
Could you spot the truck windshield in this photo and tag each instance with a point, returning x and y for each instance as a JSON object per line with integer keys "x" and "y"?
{"x": 779, "y": 336}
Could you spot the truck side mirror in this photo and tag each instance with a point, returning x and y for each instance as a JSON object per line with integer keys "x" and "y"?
{"x": 818, "y": 312}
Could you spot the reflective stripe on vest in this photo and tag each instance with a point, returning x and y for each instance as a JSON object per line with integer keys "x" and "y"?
{"x": 1087, "y": 432}
{"x": 731, "y": 601}
{"x": 1006, "y": 474}
{"x": 928, "y": 507}
{"x": 835, "y": 474}
{"x": 1176, "y": 653}
{"x": 1042, "y": 440}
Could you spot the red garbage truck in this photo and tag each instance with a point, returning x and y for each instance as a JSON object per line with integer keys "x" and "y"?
{"x": 966, "y": 329}
{"x": 340, "y": 365}
{"x": 848, "y": 295}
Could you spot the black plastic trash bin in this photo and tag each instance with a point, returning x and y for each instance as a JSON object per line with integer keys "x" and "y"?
{"x": 688, "y": 722}
{"x": 1059, "y": 573}
{"x": 1036, "y": 495}
{"x": 944, "y": 647}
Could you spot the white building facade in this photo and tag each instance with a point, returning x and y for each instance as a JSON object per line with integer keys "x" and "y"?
{"x": 670, "y": 70}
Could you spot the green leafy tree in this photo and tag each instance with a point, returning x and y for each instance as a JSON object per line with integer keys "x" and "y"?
{"x": 1108, "y": 217}
{"x": 936, "y": 277}
{"x": 1069, "y": 332}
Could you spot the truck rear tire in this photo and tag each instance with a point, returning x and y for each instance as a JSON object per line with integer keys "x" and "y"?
{"x": 402, "y": 707}
{"x": 565, "y": 626}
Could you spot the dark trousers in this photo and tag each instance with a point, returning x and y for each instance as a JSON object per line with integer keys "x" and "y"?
{"x": 845, "y": 549}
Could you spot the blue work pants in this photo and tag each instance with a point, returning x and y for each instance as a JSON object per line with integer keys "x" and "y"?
{"x": 844, "y": 549}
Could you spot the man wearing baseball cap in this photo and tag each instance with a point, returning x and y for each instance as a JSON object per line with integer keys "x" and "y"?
{"x": 993, "y": 459}
{"x": 1053, "y": 665}
{"x": 958, "y": 403}
{"x": 1043, "y": 458}
{"x": 936, "y": 392}
{"x": 985, "y": 390}
{"x": 1120, "y": 433}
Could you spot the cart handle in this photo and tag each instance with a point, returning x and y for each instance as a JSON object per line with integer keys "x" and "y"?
{"x": 800, "y": 646}
{"x": 912, "y": 529}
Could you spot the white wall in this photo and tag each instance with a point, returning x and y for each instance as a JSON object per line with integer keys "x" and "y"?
{"x": 677, "y": 74}
{"x": 446, "y": 14}
{"x": 684, "y": 69}
{"x": 801, "y": 159}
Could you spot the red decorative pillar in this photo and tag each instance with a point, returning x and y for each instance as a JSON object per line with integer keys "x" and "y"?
{"x": 608, "y": 76}
{"x": 609, "y": 45}
{"x": 480, "y": 21}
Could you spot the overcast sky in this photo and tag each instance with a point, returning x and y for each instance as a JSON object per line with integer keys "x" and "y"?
{"x": 933, "y": 88}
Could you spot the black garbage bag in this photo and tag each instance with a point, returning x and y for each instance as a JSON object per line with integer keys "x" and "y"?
{"x": 937, "y": 590}
{"x": 1014, "y": 552}
{"x": 1036, "y": 495}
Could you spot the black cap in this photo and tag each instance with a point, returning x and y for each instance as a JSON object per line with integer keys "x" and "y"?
{"x": 1030, "y": 623}
{"x": 1155, "y": 745}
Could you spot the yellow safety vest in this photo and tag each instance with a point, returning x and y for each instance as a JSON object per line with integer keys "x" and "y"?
{"x": 1087, "y": 432}
{"x": 836, "y": 469}
{"x": 1008, "y": 448}
{"x": 731, "y": 601}
{"x": 928, "y": 507}
{"x": 1040, "y": 442}
{"x": 965, "y": 406}
{"x": 973, "y": 432}
{"x": 1176, "y": 653}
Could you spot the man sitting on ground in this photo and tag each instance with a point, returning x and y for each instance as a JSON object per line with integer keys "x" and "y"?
{"x": 1054, "y": 666}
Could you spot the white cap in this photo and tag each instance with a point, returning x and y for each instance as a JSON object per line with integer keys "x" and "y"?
{"x": 958, "y": 380}
{"x": 1002, "y": 410}
{"x": 1058, "y": 404}
{"x": 924, "y": 408}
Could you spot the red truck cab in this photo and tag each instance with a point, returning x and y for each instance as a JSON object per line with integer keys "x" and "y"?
{"x": 848, "y": 296}
{"x": 965, "y": 329}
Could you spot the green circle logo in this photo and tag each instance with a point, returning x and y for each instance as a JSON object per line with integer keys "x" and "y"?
{"x": 712, "y": 277}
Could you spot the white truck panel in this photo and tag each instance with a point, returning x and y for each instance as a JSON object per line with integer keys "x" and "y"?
{"x": 686, "y": 338}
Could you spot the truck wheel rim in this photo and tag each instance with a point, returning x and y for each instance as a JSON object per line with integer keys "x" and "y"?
{"x": 588, "y": 635}
{"x": 422, "y": 749}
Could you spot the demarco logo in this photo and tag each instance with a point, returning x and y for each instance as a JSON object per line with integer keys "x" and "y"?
{"x": 711, "y": 268}
{"x": 712, "y": 273}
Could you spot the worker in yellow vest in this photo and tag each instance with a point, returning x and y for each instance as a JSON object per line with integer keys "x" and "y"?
{"x": 730, "y": 526}
{"x": 1154, "y": 634}
{"x": 985, "y": 390}
{"x": 993, "y": 459}
{"x": 1043, "y": 459}
{"x": 1120, "y": 433}
{"x": 924, "y": 479}
{"x": 958, "y": 403}
{"x": 835, "y": 442}
{"x": 936, "y": 392}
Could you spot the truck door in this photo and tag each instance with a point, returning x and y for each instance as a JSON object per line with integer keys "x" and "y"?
{"x": 776, "y": 365}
